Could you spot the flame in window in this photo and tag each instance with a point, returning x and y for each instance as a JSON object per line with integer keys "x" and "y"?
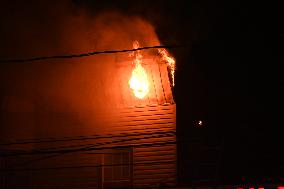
{"x": 170, "y": 62}
{"x": 139, "y": 80}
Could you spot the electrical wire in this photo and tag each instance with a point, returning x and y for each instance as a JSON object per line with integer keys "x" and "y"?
{"x": 116, "y": 141}
{"x": 78, "y": 138}
{"x": 89, "y": 166}
{"x": 88, "y": 54}
{"x": 84, "y": 147}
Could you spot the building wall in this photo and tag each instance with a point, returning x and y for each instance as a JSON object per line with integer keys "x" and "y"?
{"x": 68, "y": 148}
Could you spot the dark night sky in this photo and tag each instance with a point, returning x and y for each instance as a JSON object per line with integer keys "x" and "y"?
{"x": 217, "y": 82}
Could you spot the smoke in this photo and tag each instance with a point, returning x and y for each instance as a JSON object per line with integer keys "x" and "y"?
{"x": 75, "y": 86}
{"x": 43, "y": 28}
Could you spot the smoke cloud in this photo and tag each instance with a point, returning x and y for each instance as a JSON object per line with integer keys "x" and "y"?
{"x": 73, "y": 88}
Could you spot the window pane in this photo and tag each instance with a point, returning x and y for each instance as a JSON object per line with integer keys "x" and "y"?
{"x": 108, "y": 173}
{"x": 119, "y": 166}
{"x": 125, "y": 172}
{"x": 116, "y": 173}
{"x": 125, "y": 158}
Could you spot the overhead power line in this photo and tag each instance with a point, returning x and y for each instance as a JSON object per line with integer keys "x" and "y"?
{"x": 100, "y": 144}
{"x": 88, "y": 54}
{"x": 86, "y": 147}
{"x": 89, "y": 166}
{"x": 80, "y": 138}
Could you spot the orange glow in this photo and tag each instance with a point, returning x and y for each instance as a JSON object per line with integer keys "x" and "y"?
{"x": 170, "y": 62}
{"x": 139, "y": 80}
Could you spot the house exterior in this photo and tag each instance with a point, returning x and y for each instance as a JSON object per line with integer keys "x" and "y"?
{"x": 128, "y": 143}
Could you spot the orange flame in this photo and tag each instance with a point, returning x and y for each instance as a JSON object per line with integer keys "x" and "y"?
{"x": 170, "y": 62}
{"x": 139, "y": 80}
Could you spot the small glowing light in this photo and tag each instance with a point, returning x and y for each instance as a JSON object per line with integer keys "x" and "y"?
{"x": 198, "y": 123}
{"x": 280, "y": 187}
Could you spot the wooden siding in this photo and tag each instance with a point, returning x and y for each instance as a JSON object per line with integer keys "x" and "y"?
{"x": 151, "y": 137}
{"x": 68, "y": 154}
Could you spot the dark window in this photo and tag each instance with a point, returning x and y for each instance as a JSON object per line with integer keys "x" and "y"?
{"x": 117, "y": 169}
{"x": 117, "y": 166}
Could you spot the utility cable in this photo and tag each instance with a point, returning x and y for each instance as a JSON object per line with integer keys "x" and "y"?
{"x": 88, "y": 54}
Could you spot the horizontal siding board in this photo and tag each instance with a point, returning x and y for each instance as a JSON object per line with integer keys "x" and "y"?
{"x": 149, "y": 122}
{"x": 153, "y": 185}
{"x": 80, "y": 160}
{"x": 157, "y": 124}
{"x": 146, "y": 119}
{"x": 159, "y": 176}
{"x": 148, "y": 108}
{"x": 154, "y": 158}
{"x": 150, "y": 162}
{"x": 55, "y": 179}
{"x": 153, "y": 154}
{"x": 146, "y": 111}
{"x": 161, "y": 148}
{"x": 155, "y": 166}
{"x": 154, "y": 171}
{"x": 133, "y": 127}
{"x": 143, "y": 128}
{"x": 153, "y": 180}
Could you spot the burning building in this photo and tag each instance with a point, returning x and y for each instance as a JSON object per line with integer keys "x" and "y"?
{"x": 125, "y": 137}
